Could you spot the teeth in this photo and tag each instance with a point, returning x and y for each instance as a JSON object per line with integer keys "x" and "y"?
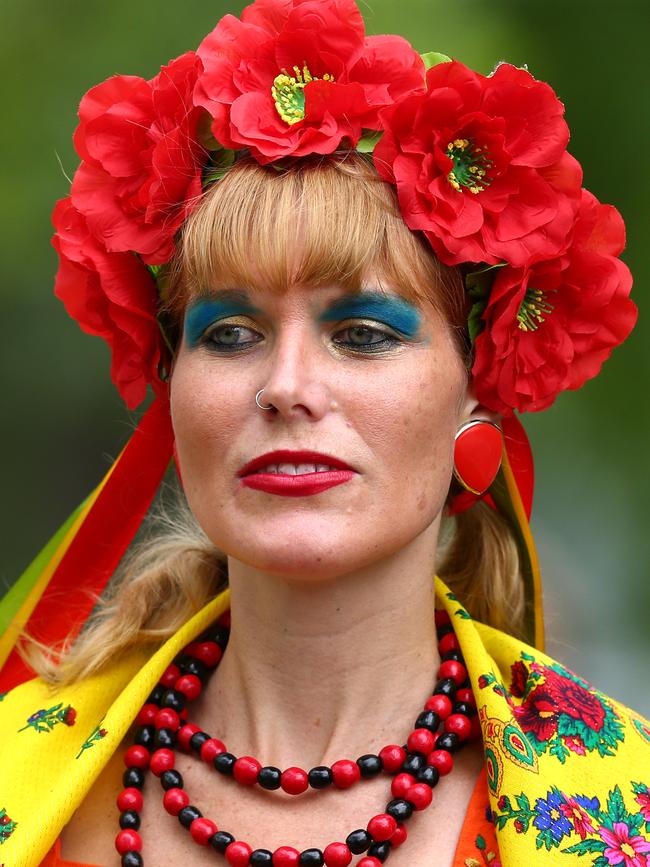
{"x": 296, "y": 469}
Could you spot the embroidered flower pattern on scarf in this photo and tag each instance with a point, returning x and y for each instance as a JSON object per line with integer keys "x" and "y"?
{"x": 7, "y": 826}
{"x": 96, "y": 735}
{"x": 580, "y": 825}
{"x": 45, "y": 720}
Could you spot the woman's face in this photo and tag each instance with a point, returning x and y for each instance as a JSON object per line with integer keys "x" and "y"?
{"x": 367, "y": 378}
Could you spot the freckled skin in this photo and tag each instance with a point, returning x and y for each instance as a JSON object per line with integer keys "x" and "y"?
{"x": 391, "y": 415}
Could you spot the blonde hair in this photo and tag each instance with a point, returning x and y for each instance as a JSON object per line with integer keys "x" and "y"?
{"x": 311, "y": 222}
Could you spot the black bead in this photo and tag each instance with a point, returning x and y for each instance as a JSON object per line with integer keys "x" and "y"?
{"x": 156, "y": 694}
{"x": 189, "y": 665}
{"x": 187, "y": 815}
{"x": 358, "y": 841}
{"x": 130, "y": 820}
{"x": 413, "y": 763}
{"x": 428, "y": 775}
{"x": 132, "y": 859}
{"x": 224, "y": 763}
{"x": 145, "y": 736}
{"x": 456, "y": 655}
{"x": 448, "y": 741}
{"x": 447, "y": 687}
{"x": 269, "y": 777}
{"x": 218, "y": 634}
{"x": 173, "y": 699}
{"x": 197, "y": 740}
{"x": 261, "y": 857}
{"x": 133, "y": 777}
{"x": 221, "y": 840}
{"x": 465, "y": 708}
{"x": 319, "y": 778}
{"x": 369, "y": 765}
{"x": 428, "y": 720}
{"x": 380, "y": 851}
{"x": 171, "y": 780}
{"x": 444, "y": 630}
{"x": 399, "y": 809}
{"x": 164, "y": 739}
{"x": 311, "y": 857}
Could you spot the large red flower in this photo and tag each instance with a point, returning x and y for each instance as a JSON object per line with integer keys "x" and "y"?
{"x": 539, "y": 713}
{"x": 111, "y": 295}
{"x": 481, "y": 167}
{"x": 575, "y": 701}
{"x": 551, "y": 325}
{"x": 296, "y": 77}
{"x": 141, "y": 169}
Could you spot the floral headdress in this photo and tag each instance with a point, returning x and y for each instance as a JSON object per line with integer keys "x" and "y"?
{"x": 480, "y": 167}
{"x": 479, "y": 163}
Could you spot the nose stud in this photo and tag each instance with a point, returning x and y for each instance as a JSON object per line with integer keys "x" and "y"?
{"x": 257, "y": 400}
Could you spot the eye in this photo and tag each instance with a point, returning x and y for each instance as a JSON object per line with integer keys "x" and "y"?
{"x": 364, "y": 337}
{"x": 229, "y": 337}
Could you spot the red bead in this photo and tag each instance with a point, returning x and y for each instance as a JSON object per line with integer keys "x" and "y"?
{"x": 442, "y": 761}
{"x": 382, "y": 827}
{"x": 345, "y": 773}
{"x": 421, "y": 741}
{"x": 466, "y": 696}
{"x": 212, "y": 748}
{"x": 392, "y": 758}
{"x": 224, "y": 619}
{"x": 337, "y": 855}
{"x": 441, "y": 617}
{"x": 208, "y": 652}
{"x": 129, "y": 799}
{"x": 161, "y": 761}
{"x": 294, "y": 781}
{"x": 476, "y": 734}
{"x": 136, "y": 757}
{"x": 166, "y": 718}
{"x": 448, "y": 642}
{"x": 170, "y": 676}
{"x": 458, "y": 724}
{"x": 453, "y": 669}
{"x": 128, "y": 841}
{"x": 420, "y": 795}
{"x": 147, "y": 714}
{"x": 238, "y": 853}
{"x": 185, "y": 734}
{"x": 440, "y": 704}
{"x": 202, "y": 829}
{"x": 369, "y": 861}
{"x": 286, "y": 856}
{"x": 189, "y": 685}
{"x": 174, "y": 800}
{"x": 401, "y": 784}
{"x": 246, "y": 769}
{"x": 399, "y": 836}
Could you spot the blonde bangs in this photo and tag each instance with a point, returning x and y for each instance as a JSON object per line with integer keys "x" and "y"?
{"x": 316, "y": 222}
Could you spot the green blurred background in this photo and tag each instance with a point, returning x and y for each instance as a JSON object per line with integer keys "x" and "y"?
{"x": 63, "y": 422}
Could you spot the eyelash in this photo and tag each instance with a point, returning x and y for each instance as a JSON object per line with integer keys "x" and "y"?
{"x": 388, "y": 342}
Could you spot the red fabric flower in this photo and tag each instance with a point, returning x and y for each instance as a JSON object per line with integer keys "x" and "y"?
{"x": 551, "y": 325}
{"x": 295, "y": 77}
{"x": 111, "y": 295}
{"x": 519, "y": 677}
{"x": 141, "y": 169}
{"x": 538, "y": 714}
{"x": 576, "y": 701}
{"x": 480, "y": 165}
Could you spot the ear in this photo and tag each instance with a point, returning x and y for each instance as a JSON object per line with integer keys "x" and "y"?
{"x": 470, "y": 408}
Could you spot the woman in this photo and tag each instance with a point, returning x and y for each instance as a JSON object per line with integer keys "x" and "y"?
{"x": 361, "y": 269}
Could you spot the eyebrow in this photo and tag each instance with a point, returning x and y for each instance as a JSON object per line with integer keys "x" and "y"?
{"x": 390, "y": 309}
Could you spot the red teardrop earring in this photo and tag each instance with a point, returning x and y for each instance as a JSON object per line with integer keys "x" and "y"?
{"x": 478, "y": 449}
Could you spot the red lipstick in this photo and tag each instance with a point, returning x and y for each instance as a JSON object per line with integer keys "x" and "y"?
{"x": 288, "y": 484}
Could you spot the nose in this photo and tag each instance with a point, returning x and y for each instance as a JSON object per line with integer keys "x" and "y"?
{"x": 295, "y": 382}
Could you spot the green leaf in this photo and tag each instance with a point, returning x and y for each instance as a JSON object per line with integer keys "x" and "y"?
{"x": 480, "y": 842}
{"x": 478, "y": 285}
{"x": 584, "y": 846}
{"x": 433, "y": 58}
{"x": 616, "y": 806}
{"x": 368, "y": 140}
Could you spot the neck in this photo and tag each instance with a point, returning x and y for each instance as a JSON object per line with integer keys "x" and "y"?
{"x": 320, "y": 670}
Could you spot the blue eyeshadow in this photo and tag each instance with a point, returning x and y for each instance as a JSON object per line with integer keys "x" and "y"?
{"x": 205, "y": 310}
{"x": 398, "y": 313}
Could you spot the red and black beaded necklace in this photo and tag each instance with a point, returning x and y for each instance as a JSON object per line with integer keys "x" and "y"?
{"x": 446, "y": 723}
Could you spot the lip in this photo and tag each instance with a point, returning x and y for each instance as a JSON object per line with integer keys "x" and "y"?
{"x": 287, "y": 456}
{"x": 285, "y": 485}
